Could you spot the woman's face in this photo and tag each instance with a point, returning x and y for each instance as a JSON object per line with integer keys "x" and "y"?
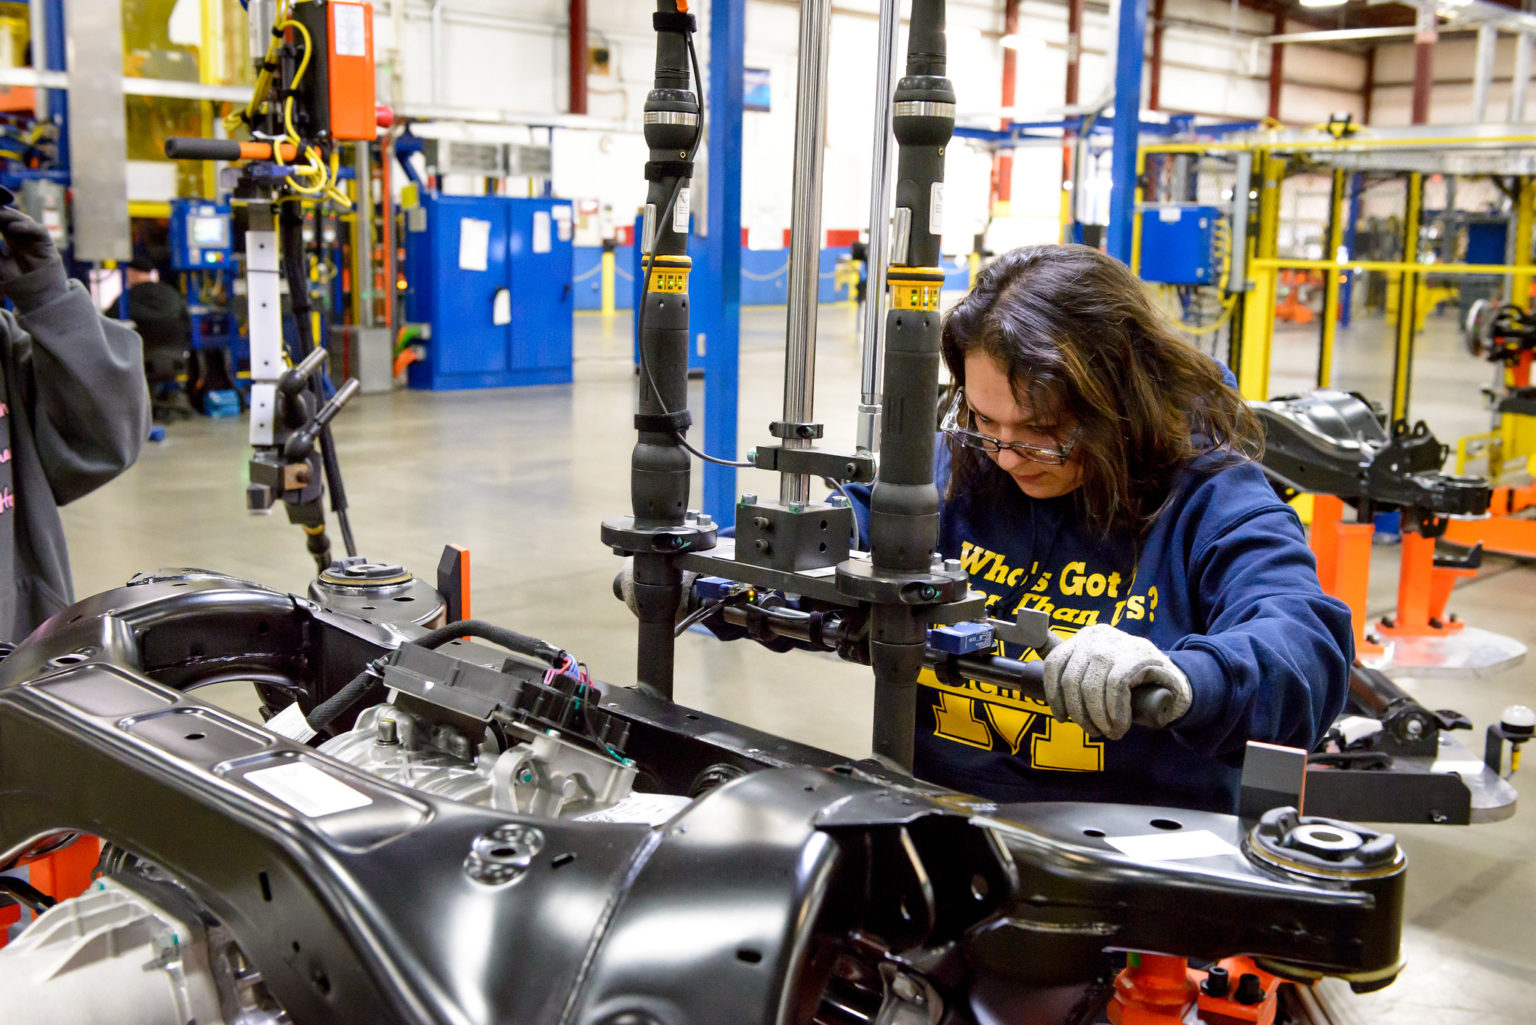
{"x": 998, "y": 413}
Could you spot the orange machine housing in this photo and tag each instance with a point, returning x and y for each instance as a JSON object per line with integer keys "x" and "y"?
{"x": 350, "y": 70}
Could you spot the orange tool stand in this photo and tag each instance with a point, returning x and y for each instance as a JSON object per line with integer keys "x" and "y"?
{"x": 1423, "y": 588}
{"x": 1343, "y": 552}
{"x": 1155, "y": 989}
{"x": 61, "y": 875}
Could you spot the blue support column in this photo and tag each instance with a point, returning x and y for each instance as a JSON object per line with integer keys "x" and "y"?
{"x": 717, "y": 306}
{"x": 54, "y": 56}
{"x": 1347, "y": 289}
{"x": 1130, "y": 37}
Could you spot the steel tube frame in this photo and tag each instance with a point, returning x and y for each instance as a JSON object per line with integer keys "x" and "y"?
{"x": 1522, "y": 77}
{"x": 1423, "y": 62}
{"x": 1407, "y": 295}
{"x": 1482, "y": 74}
{"x": 805, "y": 233}
{"x": 872, "y": 354}
{"x": 362, "y": 232}
{"x": 1328, "y": 326}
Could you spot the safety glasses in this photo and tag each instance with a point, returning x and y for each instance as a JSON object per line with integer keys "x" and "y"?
{"x": 957, "y": 425}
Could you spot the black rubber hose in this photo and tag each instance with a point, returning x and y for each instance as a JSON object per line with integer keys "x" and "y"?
{"x": 534, "y": 648}
{"x": 25, "y": 893}
{"x": 328, "y": 711}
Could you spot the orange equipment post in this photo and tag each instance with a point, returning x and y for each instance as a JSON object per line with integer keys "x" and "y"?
{"x": 1153, "y": 989}
{"x": 1343, "y": 552}
{"x": 1422, "y": 591}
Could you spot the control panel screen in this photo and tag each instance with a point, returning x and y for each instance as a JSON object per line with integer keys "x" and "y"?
{"x": 208, "y": 232}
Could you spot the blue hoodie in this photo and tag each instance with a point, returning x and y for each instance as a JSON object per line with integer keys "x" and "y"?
{"x": 1224, "y": 584}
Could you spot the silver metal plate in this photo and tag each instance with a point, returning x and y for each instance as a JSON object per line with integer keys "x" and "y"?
{"x": 98, "y": 133}
{"x": 1467, "y": 652}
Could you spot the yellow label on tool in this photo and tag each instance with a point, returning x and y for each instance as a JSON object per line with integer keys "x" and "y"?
{"x": 667, "y": 279}
{"x": 915, "y": 297}
{"x": 669, "y": 274}
{"x": 915, "y": 288}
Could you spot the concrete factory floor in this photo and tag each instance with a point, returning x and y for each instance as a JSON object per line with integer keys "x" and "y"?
{"x": 524, "y": 476}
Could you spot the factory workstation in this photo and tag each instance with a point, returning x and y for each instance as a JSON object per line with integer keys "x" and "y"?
{"x": 769, "y": 512}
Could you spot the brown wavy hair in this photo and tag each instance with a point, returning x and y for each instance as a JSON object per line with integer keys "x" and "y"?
{"x": 1084, "y": 346}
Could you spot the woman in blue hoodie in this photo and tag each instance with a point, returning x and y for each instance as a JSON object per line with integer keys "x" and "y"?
{"x": 1100, "y": 469}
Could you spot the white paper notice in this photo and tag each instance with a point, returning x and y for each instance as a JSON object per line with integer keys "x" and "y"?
{"x": 1171, "y": 846}
{"x": 541, "y": 231}
{"x": 474, "y": 244}
{"x": 501, "y": 308}
{"x": 563, "y": 223}
{"x": 350, "y": 33}
{"x": 1169, "y": 214}
{"x": 290, "y": 723}
{"x": 680, "y": 212}
{"x": 308, "y": 790}
{"x": 650, "y": 809}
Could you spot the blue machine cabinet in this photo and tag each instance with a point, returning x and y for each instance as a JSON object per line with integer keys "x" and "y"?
{"x": 491, "y": 277}
{"x": 202, "y": 235}
{"x": 1178, "y": 245}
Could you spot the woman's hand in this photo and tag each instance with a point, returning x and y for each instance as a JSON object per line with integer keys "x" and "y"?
{"x": 1089, "y": 678}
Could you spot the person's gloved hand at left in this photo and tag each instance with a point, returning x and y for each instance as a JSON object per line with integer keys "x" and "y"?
{"x": 1090, "y": 675}
{"x": 31, "y": 270}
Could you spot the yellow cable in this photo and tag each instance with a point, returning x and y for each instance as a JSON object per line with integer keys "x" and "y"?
{"x": 263, "y": 80}
{"x": 1224, "y": 249}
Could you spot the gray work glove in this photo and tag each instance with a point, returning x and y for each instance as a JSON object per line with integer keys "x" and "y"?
{"x": 1090, "y": 675}
{"x": 31, "y": 270}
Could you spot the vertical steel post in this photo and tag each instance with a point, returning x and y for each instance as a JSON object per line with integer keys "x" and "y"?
{"x": 1521, "y": 82}
{"x": 1002, "y": 160}
{"x": 805, "y": 235}
{"x": 1525, "y": 228}
{"x": 362, "y": 232}
{"x": 56, "y": 58}
{"x": 1276, "y": 67}
{"x": 720, "y": 316}
{"x": 1328, "y": 329}
{"x": 1131, "y": 35}
{"x": 1074, "y": 49}
{"x": 577, "y": 46}
{"x": 1482, "y": 70}
{"x": 1426, "y": 32}
{"x": 38, "y": 15}
{"x": 1257, "y": 340}
{"x": 1237, "y": 277}
{"x": 872, "y": 352}
{"x": 1407, "y": 297}
{"x": 1351, "y": 222}
{"x": 97, "y": 122}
